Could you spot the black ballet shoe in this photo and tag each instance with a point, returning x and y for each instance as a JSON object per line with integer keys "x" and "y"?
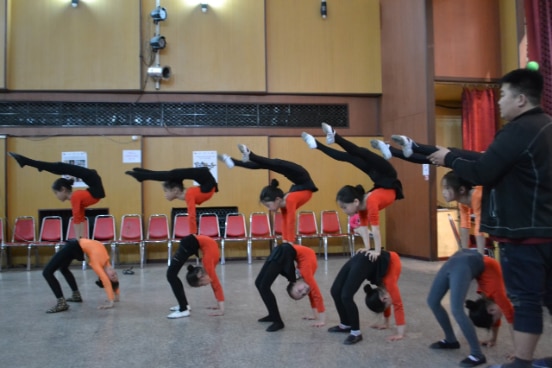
{"x": 352, "y": 339}
{"x": 275, "y": 326}
{"x": 266, "y": 319}
{"x": 21, "y": 160}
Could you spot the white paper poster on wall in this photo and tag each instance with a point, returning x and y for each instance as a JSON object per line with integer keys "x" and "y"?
{"x": 75, "y": 158}
{"x": 206, "y": 159}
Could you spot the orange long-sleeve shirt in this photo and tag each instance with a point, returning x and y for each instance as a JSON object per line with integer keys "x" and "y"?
{"x": 294, "y": 200}
{"x": 391, "y": 283}
{"x": 377, "y": 200}
{"x": 210, "y": 258}
{"x": 475, "y": 208}
{"x": 80, "y": 199}
{"x": 491, "y": 283}
{"x": 193, "y": 197}
{"x": 307, "y": 265}
{"x": 98, "y": 258}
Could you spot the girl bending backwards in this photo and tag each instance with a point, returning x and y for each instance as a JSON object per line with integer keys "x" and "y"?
{"x": 272, "y": 197}
{"x": 98, "y": 259}
{"x": 174, "y": 188}
{"x": 63, "y": 188}
{"x": 282, "y": 262}
{"x": 196, "y": 276}
{"x": 453, "y": 188}
{"x": 387, "y": 187}
{"x": 384, "y": 272}
{"x": 455, "y": 277}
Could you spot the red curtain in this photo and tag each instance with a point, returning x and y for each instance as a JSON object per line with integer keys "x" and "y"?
{"x": 479, "y": 118}
{"x": 538, "y": 17}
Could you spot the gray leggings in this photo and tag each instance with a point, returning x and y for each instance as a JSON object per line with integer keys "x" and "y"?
{"x": 456, "y": 275}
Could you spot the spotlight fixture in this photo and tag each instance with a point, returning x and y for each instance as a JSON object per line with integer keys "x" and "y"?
{"x": 158, "y": 14}
{"x": 204, "y": 6}
{"x": 159, "y": 72}
{"x": 158, "y": 43}
{"x": 323, "y": 9}
{"x": 74, "y": 3}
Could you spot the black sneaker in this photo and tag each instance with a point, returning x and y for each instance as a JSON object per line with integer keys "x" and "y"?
{"x": 339, "y": 329}
{"x": 473, "y": 361}
{"x": 352, "y": 339}
{"x": 444, "y": 344}
{"x": 275, "y": 326}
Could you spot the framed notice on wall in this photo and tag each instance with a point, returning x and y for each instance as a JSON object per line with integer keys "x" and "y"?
{"x": 206, "y": 159}
{"x": 75, "y": 158}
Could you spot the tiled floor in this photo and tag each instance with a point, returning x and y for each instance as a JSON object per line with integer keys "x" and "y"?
{"x": 137, "y": 333}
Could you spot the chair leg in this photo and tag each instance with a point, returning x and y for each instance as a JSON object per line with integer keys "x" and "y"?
{"x": 142, "y": 251}
{"x": 249, "y": 251}
{"x": 29, "y": 250}
{"x": 113, "y": 254}
{"x": 169, "y": 255}
{"x": 222, "y": 260}
{"x": 325, "y": 249}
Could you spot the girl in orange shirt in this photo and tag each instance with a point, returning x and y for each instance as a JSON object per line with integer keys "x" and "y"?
{"x": 174, "y": 188}
{"x": 196, "y": 276}
{"x": 98, "y": 259}
{"x": 63, "y": 188}
{"x": 387, "y": 187}
{"x": 272, "y": 196}
{"x": 384, "y": 272}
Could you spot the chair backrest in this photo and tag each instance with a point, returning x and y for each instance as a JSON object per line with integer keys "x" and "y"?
{"x": 209, "y": 225}
{"x": 306, "y": 223}
{"x": 181, "y": 226}
{"x": 235, "y": 226}
{"x": 131, "y": 228}
{"x": 71, "y": 229}
{"x": 329, "y": 222}
{"x": 51, "y": 229}
{"x": 158, "y": 227}
{"x": 259, "y": 224}
{"x": 24, "y": 229}
{"x": 278, "y": 223}
{"x": 104, "y": 228}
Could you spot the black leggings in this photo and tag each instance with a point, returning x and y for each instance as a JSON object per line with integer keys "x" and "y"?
{"x": 188, "y": 246}
{"x": 89, "y": 176}
{"x": 280, "y": 262}
{"x": 295, "y": 173}
{"x": 347, "y": 282}
{"x": 201, "y": 175}
{"x": 421, "y": 151}
{"x": 61, "y": 261}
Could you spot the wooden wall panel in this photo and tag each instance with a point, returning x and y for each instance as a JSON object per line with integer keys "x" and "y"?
{"x": 52, "y": 46}
{"x": 3, "y": 23}
{"x": 222, "y": 50}
{"x": 307, "y": 54}
{"x": 29, "y": 190}
{"x": 467, "y": 39}
{"x": 408, "y": 108}
{"x": 3, "y": 179}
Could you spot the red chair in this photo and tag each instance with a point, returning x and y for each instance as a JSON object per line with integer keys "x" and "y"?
{"x": 51, "y": 235}
{"x": 330, "y": 227}
{"x": 277, "y": 228}
{"x": 104, "y": 230}
{"x": 158, "y": 232}
{"x": 24, "y": 233}
{"x": 181, "y": 229}
{"x": 71, "y": 234}
{"x": 209, "y": 225}
{"x": 307, "y": 227}
{"x": 131, "y": 233}
{"x": 235, "y": 230}
{"x": 259, "y": 230}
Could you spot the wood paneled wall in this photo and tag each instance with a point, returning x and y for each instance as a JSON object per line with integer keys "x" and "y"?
{"x": 308, "y": 54}
{"x": 467, "y": 39}
{"x": 3, "y": 44}
{"x": 53, "y": 46}
{"x": 29, "y": 190}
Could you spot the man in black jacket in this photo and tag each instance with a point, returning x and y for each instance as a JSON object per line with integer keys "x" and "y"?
{"x": 516, "y": 209}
